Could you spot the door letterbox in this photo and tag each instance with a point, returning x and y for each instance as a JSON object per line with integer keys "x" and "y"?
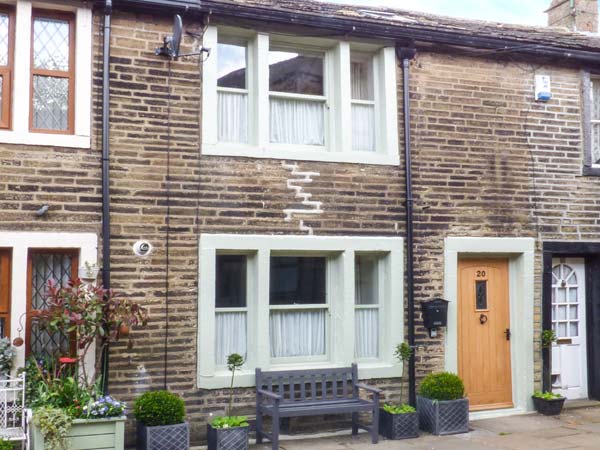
{"x": 435, "y": 314}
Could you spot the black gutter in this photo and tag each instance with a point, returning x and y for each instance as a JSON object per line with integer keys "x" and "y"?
{"x": 106, "y": 175}
{"x": 371, "y": 28}
{"x": 405, "y": 54}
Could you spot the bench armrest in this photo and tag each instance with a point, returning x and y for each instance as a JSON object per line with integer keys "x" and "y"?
{"x": 269, "y": 394}
{"x": 368, "y": 388}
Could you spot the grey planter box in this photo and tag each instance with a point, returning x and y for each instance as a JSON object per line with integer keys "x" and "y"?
{"x": 398, "y": 426}
{"x": 89, "y": 434}
{"x": 227, "y": 438}
{"x": 443, "y": 417}
{"x": 164, "y": 437}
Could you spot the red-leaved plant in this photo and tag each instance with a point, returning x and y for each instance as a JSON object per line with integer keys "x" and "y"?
{"x": 88, "y": 314}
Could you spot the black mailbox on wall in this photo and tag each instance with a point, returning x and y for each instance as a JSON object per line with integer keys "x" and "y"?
{"x": 435, "y": 314}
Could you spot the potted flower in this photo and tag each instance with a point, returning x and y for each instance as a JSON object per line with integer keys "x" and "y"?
{"x": 160, "y": 417}
{"x": 67, "y": 402}
{"x": 548, "y": 403}
{"x": 399, "y": 421}
{"x": 229, "y": 432}
{"x": 442, "y": 405}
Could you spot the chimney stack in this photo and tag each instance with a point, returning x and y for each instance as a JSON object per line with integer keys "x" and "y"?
{"x": 576, "y": 15}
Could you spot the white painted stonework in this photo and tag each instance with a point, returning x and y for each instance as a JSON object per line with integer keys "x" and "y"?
{"x": 20, "y": 243}
{"x": 299, "y": 184}
{"x": 520, "y": 252}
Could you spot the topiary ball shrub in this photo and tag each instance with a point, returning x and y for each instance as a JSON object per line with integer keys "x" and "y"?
{"x": 156, "y": 408}
{"x": 442, "y": 386}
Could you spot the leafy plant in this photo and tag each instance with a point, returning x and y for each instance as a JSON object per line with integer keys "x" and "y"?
{"x": 403, "y": 353}
{"x": 547, "y": 395}
{"x": 230, "y": 422}
{"x": 7, "y": 445}
{"x": 7, "y": 354}
{"x": 104, "y": 407}
{"x": 54, "y": 424}
{"x": 234, "y": 362}
{"x": 402, "y": 409}
{"x": 442, "y": 386}
{"x": 87, "y": 313}
{"x": 548, "y": 338}
{"x": 156, "y": 408}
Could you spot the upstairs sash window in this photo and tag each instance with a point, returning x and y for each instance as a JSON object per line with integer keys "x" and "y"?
{"x": 232, "y": 87}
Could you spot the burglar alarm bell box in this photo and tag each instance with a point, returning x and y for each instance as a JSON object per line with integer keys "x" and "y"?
{"x": 435, "y": 313}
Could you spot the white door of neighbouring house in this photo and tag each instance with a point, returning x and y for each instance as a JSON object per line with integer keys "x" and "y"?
{"x": 569, "y": 359}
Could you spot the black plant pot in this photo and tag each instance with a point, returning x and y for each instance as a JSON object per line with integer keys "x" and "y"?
{"x": 443, "y": 416}
{"x": 227, "y": 438}
{"x": 164, "y": 437}
{"x": 398, "y": 426}
{"x": 548, "y": 407}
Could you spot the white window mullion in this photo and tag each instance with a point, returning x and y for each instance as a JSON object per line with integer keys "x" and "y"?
{"x": 386, "y": 97}
{"x": 83, "y": 71}
{"x": 340, "y": 93}
{"x": 260, "y": 70}
{"x": 206, "y": 310}
{"x": 209, "y": 88}
{"x": 22, "y": 65}
{"x": 260, "y": 327}
{"x": 345, "y": 336}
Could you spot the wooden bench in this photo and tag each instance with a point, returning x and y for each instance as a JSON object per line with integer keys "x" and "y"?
{"x": 294, "y": 393}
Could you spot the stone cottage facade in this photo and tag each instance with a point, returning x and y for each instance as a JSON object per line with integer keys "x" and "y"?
{"x": 269, "y": 178}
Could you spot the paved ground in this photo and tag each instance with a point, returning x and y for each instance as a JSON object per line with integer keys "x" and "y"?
{"x": 575, "y": 429}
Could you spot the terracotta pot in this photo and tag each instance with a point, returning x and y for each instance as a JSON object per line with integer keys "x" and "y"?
{"x": 123, "y": 330}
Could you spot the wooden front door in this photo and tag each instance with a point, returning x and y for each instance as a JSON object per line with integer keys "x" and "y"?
{"x": 484, "y": 332}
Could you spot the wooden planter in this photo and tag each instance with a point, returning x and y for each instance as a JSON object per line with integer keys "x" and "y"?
{"x": 89, "y": 434}
{"x": 548, "y": 407}
{"x": 398, "y": 426}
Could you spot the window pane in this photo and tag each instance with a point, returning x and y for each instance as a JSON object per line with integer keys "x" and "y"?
{"x": 297, "y": 280}
{"x": 363, "y": 128}
{"x": 230, "y": 336}
{"x": 231, "y": 281}
{"x": 297, "y": 333}
{"x": 361, "y": 76}
{"x": 295, "y": 73}
{"x": 366, "y": 280}
{"x": 596, "y": 99}
{"x": 46, "y": 267}
{"x": 4, "y": 39}
{"x": 366, "y": 339}
{"x": 232, "y": 120}
{"x": 297, "y": 122}
{"x": 596, "y": 143}
{"x": 574, "y": 329}
{"x": 51, "y": 44}
{"x": 50, "y": 103}
{"x": 231, "y": 66}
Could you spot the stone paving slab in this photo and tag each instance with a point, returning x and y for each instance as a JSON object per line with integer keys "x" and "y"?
{"x": 575, "y": 429}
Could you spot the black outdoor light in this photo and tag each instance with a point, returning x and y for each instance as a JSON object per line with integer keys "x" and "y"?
{"x": 435, "y": 315}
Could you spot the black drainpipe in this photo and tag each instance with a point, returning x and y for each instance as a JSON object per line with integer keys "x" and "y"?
{"x": 405, "y": 54}
{"x": 105, "y": 173}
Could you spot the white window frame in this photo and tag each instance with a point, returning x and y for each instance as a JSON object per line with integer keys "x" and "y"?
{"x": 20, "y": 243}
{"x": 341, "y": 327}
{"x": 20, "y": 106}
{"x": 337, "y": 90}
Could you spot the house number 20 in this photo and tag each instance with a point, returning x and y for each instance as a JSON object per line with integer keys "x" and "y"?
{"x": 480, "y": 273}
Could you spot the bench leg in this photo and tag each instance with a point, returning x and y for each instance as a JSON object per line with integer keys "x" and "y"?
{"x": 354, "y": 423}
{"x": 259, "y": 427}
{"x": 275, "y": 433}
{"x": 375, "y": 425}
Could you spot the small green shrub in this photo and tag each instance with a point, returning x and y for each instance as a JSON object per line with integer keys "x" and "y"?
{"x": 547, "y": 395}
{"x": 54, "y": 424}
{"x": 230, "y": 422}
{"x": 548, "y": 338}
{"x": 442, "y": 386}
{"x": 157, "y": 408}
{"x": 402, "y": 409}
{"x": 7, "y": 445}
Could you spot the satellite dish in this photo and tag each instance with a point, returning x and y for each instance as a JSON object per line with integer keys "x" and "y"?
{"x": 176, "y": 38}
